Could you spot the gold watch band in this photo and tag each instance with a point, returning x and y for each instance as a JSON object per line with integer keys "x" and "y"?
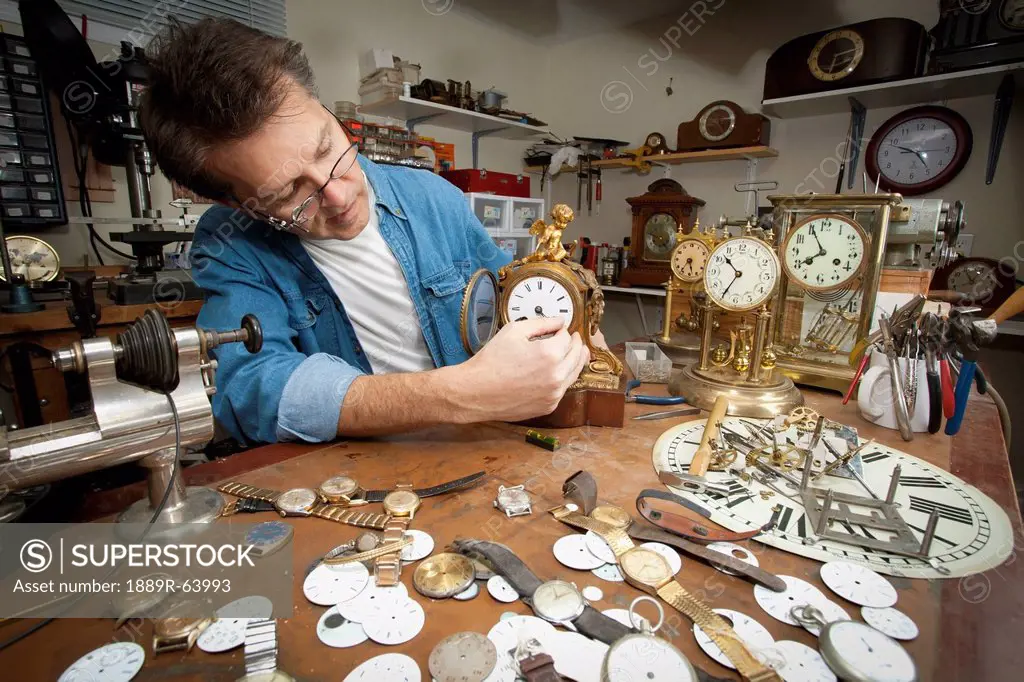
{"x": 249, "y": 492}
{"x": 720, "y": 632}
{"x": 387, "y": 569}
{"x": 349, "y": 516}
{"x": 616, "y": 538}
{"x": 381, "y": 550}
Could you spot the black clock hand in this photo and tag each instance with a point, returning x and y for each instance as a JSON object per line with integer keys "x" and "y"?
{"x": 734, "y": 278}
{"x": 908, "y": 150}
{"x": 729, "y": 262}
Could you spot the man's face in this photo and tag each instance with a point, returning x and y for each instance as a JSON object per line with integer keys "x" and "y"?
{"x": 276, "y": 168}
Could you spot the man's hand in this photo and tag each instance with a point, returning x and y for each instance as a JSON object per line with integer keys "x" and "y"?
{"x": 518, "y": 375}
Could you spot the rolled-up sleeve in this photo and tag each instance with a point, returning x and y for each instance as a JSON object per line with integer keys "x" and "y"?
{"x": 311, "y": 403}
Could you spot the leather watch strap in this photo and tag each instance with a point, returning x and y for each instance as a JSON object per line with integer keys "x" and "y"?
{"x": 596, "y": 625}
{"x": 505, "y": 563}
{"x": 539, "y": 668}
{"x": 379, "y": 495}
{"x": 758, "y": 575}
{"x": 720, "y": 632}
{"x": 350, "y": 516}
{"x": 581, "y": 489}
{"x": 249, "y": 492}
{"x": 691, "y": 529}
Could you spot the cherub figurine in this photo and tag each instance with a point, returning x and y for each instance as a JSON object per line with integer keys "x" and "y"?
{"x": 549, "y": 237}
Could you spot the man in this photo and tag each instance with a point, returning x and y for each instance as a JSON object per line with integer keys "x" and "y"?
{"x": 355, "y": 270}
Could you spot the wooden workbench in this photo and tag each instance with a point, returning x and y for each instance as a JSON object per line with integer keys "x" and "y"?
{"x": 970, "y": 628}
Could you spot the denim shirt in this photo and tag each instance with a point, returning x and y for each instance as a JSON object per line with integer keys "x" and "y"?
{"x": 295, "y": 386}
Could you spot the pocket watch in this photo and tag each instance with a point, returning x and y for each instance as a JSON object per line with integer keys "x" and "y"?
{"x": 824, "y": 252}
{"x": 858, "y": 652}
{"x": 514, "y": 501}
{"x": 742, "y": 273}
{"x": 644, "y": 656}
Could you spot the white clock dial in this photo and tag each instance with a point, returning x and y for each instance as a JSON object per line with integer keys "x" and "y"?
{"x": 892, "y": 622}
{"x": 824, "y": 252}
{"x": 539, "y": 296}
{"x": 754, "y": 635}
{"x": 977, "y": 280}
{"x": 360, "y": 606}
{"x": 689, "y": 259}
{"x": 558, "y": 601}
{"x": 796, "y": 662}
{"x": 117, "y": 662}
{"x": 328, "y": 585}
{"x": 339, "y": 632}
{"x": 394, "y": 622}
{"x": 968, "y": 537}
{"x": 398, "y": 667}
{"x": 223, "y": 634}
{"x": 853, "y": 646}
{"x": 637, "y": 657}
{"x": 741, "y": 274}
{"x": 779, "y": 605}
{"x": 858, "y": 584}
{"x": 916, "y": 151}
{"x": 659, "y": 236}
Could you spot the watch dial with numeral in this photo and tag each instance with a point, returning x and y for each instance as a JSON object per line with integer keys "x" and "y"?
{"x": 689, "y": 259}
{"x": 975, "y": 279}
{"x": 971, "y": 531}
{"x": 824, "y": 252}
{"x": 539, "y": 296}
{"x": 659, "y": 236}
{"x": 741, "y": 273}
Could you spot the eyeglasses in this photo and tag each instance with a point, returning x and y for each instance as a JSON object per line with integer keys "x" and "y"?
{"x": 305, "y": 211}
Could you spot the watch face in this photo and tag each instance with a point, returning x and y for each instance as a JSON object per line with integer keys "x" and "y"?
{"x": 824, "y": 252}
{"x": 920, "y": 149}
{"x": 613, "y": 516}
{"x": 401, "y": 502}
{"x": 892, "y": 622}
{"x": 296, "y": 500}
{"x": 836, "y": 55}
{"x": 513, "y": 498}
{"x": 659, "y": 236}
{"x": 1011, "y": 14}
{"x": 689, "y": 259}
{"x": 643, "y": 657}
{"x": 741, "y": 274}
{"x": 645, "y": 566}
{"x": 117, "y": 662}
{"x": 717, "y": 123}
{"x": 539, "y": 296}
{"x": 852, "y": 646}
{"x": 558, "y": 601}
{"x": 339, "y": 486}
{"x": 975, "y": 279}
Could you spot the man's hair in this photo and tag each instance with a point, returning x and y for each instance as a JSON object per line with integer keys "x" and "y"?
{"x": 212, "y": 82}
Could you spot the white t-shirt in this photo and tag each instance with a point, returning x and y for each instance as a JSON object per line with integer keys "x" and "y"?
{"x": 366, "y": 276}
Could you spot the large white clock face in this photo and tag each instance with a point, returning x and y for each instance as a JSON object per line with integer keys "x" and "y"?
{"x": 539, "y": 296}
{"x": 824, "y": 252}
{"x": 741, "y": 273}
{"x": 689, "y": 259}
{"x": 916, "y": 151}
{"x": 970, "y": 537}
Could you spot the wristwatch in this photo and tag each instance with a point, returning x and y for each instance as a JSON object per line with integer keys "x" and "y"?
{"x": 555, "y": 600}
{"x": 260, "y": 652}
{"x": 401, "y": 505}
{"x": 304, "y": 502}
{"x": 514, "y": 501}
{"x": 345, "y": 491}
{"x": 175, "y": 634}
{"x": 649, "y": 571}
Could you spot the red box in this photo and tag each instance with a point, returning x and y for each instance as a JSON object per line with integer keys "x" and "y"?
{"x": 477, "y": 180}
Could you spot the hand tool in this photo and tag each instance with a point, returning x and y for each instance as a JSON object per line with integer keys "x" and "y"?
{"x": 693, "y": 484}
{"x": 908, "y": 312}
{"x": 1010, "y": 307}
{"x": 654, "y": 416}
{"x": 649, "y": 399}
{"x": 948, "y": 401}
{"x": 899, "y": 399}
{"x": 969, "y": 336}
{"x": 590, "y": 185}
{"x": 932, "y": 338}
{"x": 856, "y": 376}
{"x": 702, "y": 458}
{"x": 597, "y": 191}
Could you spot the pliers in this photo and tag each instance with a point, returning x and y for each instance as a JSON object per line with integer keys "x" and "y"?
{"x": 650, "y": 399}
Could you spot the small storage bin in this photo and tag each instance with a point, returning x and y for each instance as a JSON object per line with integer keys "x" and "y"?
{"x": 648, "y": 363}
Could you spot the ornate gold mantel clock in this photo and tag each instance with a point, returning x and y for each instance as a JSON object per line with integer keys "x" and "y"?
{"x": 546, "y": 283}
{"x": 741, "y": 276}
{"x": 678, "y": 338}
{"x": 831, "y": 248}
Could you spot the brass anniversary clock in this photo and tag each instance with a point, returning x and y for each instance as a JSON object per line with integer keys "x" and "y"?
{"x": 831, "y": 248}
{"x": 546, "y": 283}
{"x": 678, "y": 338}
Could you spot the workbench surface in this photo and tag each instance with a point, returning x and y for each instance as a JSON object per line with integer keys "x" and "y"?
{"x": 971, "y": 628}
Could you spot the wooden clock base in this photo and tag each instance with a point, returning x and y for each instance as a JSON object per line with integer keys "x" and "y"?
{"x": 586, "y": 406}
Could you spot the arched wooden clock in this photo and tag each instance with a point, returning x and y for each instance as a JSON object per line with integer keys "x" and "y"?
{"x": 663, "y": 212}
{"x": 546, "y": 283}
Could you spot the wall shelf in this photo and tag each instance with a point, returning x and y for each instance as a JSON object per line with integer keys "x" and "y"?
{"x": 907, "y": 92}
{"x": 737, "y": 154}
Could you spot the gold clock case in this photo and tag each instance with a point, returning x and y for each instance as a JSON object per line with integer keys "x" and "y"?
{"x": 556, "y": 271}
{"x": 681, "y": 343}
{"x": 798, "y": 360}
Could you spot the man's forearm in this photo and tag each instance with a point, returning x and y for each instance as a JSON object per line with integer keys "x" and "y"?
{"x": 381, "y": 404}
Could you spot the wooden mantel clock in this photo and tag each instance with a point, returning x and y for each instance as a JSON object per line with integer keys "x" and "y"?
{"x": 659, "y": 215}
{"x": 546, "y": 283}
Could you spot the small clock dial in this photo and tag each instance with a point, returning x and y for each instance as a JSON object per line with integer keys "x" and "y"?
{"x": 539, "y": 296}
{"x": 919, "y": 150}
{"x": 655, "y": 141}
{"x": 975, "y": 279}
{"x": 741, "y": 274}
{"x": 659, "y": 236}
{"x": 1011, "y": 13}
{"x": 824, "y": 252}
{"x": 33, "y": 258}
{"x": 836, "y": 55}
{"x": 689, "y": 259}
{"x": 717, "y": 123}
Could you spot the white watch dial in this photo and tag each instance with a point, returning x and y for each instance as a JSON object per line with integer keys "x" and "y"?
{"x": 892, "y": 622}
{"x": 335, "y": 630}
{"x": 796, "y": 662}
{"x": 398, "y": 667}
{"x": 916, "y": 151}
{"x": 296, "y": 500}
{"x": 253, "y": 606}
{"x": 858, "y": 584}
{"x": 501, "y": 590}
{"x": 421, "y": 547}
{"x": 609, "y": 572}
{"x": 360, "y": 606}
{"x": 599, "y": 548}
{"x": 576, "y": 657}
{"x": 558, "y": 601}
{"x": 328, "y": 585}
{"x": 394, "y": 622}
{"x": 639, "y": 657}
{"x": 754, "y": 635}
{"x": 538, "y": 296}
{"x": 572, "y": 551}
{"x": 779, "y": 604}
{"x": 741, "y": 273}
{"x": 689, "y": 259}
{"x": 824, "y": 252}
{"x": 876, "y": 656}
{"x": 223, "y": 634}
{"x": 117, "y": 662}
